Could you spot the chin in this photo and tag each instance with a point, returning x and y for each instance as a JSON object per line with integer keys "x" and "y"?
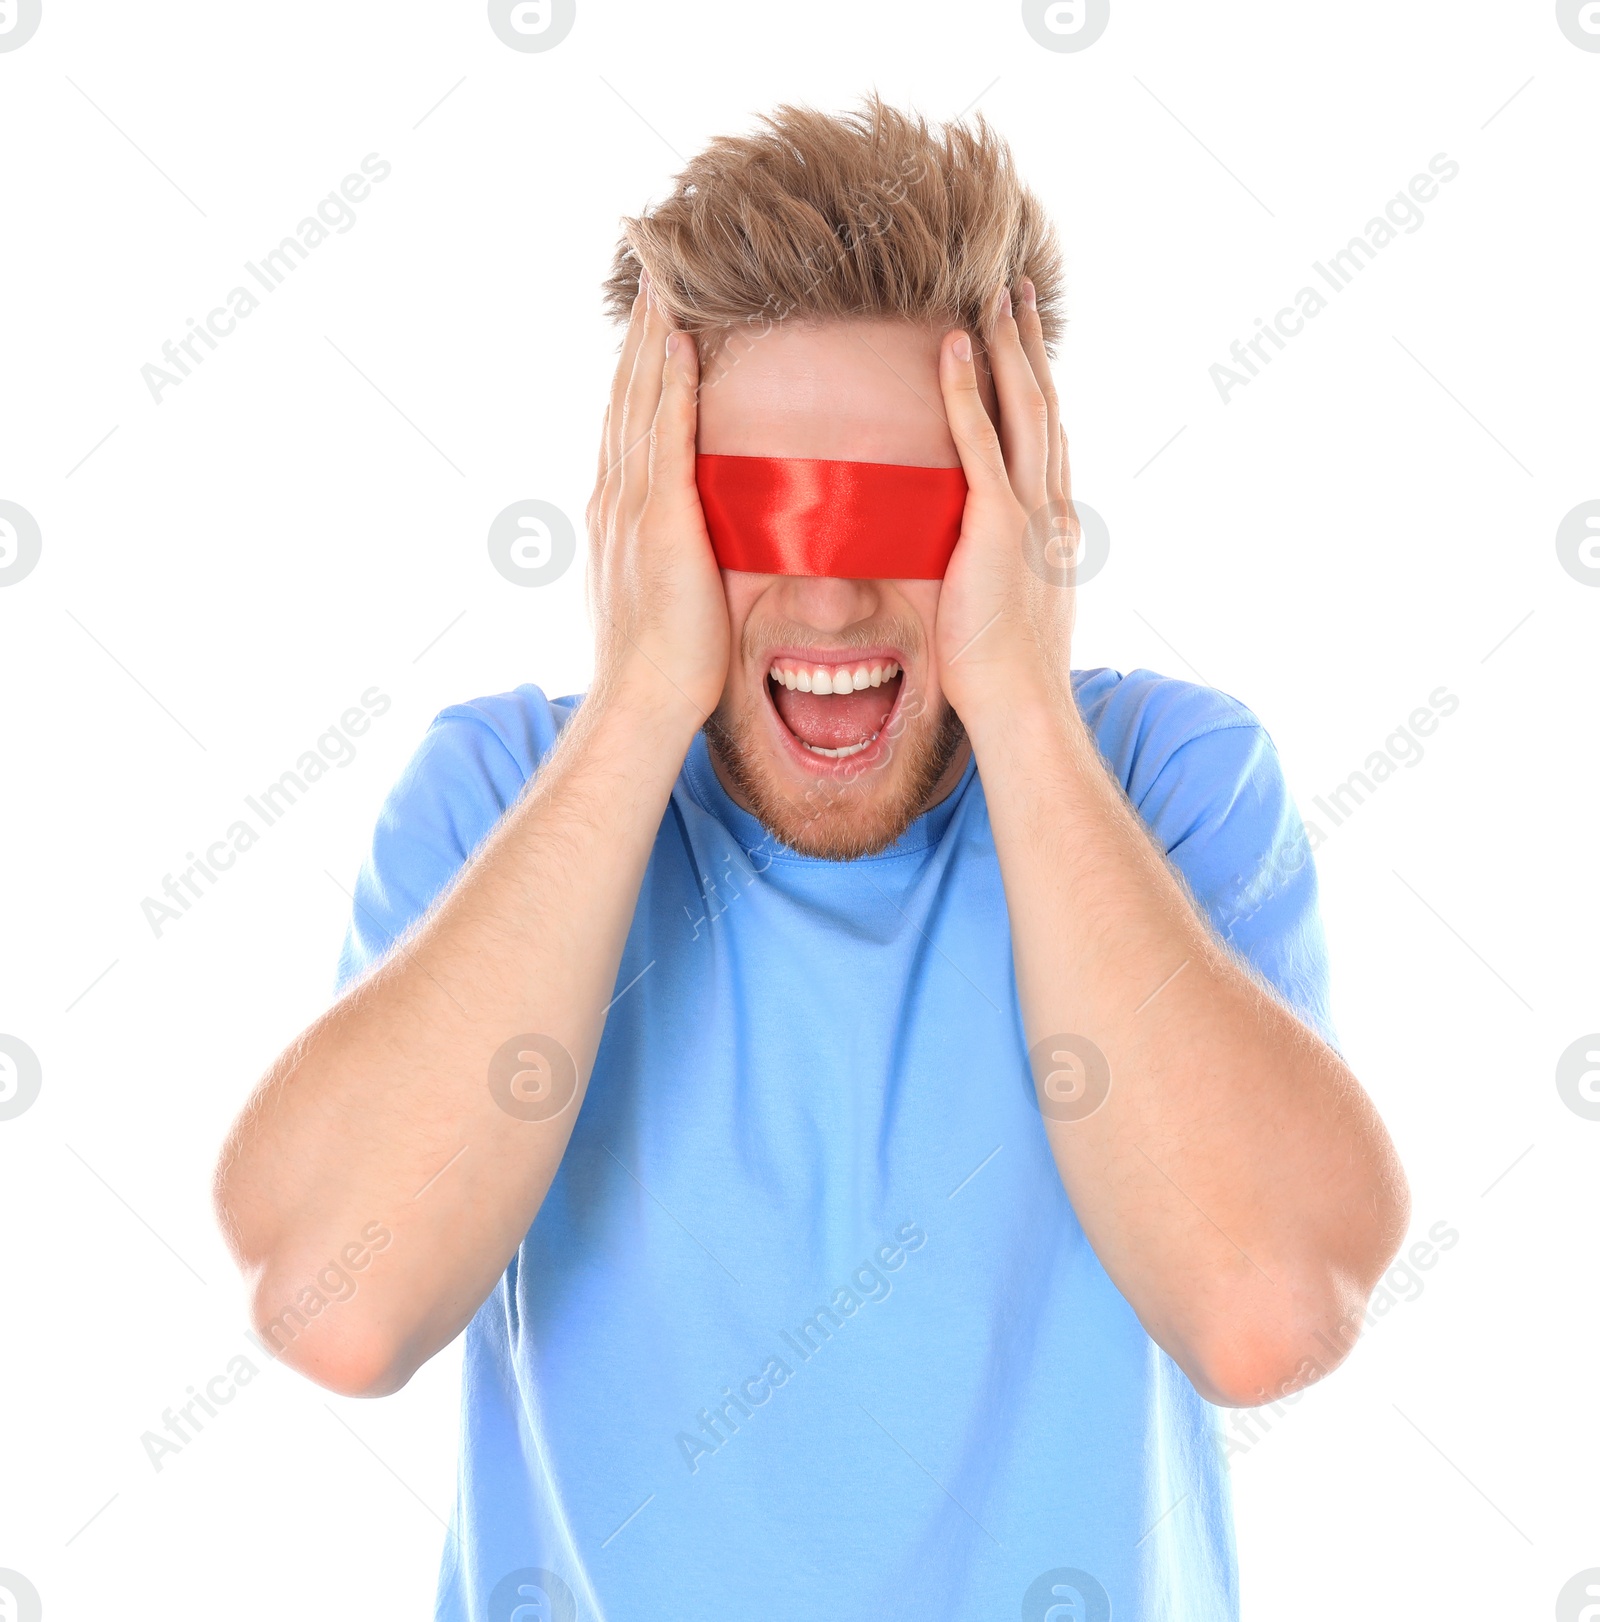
{"x": 847, "y": 773}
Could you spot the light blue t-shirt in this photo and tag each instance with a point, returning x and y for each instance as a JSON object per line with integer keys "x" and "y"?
{"x": 806, "y": 1326}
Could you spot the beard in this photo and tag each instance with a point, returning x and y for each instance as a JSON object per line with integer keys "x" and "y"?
{"x": 840, "y": 818}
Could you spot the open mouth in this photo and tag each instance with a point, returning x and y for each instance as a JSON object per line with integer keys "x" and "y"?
{"x": 835, "y": 710}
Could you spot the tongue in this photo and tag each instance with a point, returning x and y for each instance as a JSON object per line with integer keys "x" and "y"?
{"x": 836, "y": 720}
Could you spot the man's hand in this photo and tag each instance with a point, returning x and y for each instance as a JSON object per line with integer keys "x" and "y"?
{"x": 1233, "y": 1179}
{"x": 1004, "y": 630}
{"x": 661, "y": 618}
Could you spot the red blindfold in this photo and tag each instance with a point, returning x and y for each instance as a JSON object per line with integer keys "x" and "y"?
{"x": 853, "y": 520}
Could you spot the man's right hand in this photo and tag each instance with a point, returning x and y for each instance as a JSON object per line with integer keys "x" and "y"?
{"x": 661, "y": 617}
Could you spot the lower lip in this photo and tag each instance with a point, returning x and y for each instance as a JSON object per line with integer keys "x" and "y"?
{"x": 845, "y": 766}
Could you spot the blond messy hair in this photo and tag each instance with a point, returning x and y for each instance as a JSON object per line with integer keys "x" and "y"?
{"x": 816, "y": 216}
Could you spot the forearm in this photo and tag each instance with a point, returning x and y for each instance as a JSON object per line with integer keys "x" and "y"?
{"x": 1236, "y": 1183}
{"x": 382, "y": 1111}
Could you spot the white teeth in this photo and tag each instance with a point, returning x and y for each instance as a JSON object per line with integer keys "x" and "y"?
{"x": 832, "y": 679}
{"x": 839, "y": 754}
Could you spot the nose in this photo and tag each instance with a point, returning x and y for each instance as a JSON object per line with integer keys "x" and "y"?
{"x": 829, "y": 604}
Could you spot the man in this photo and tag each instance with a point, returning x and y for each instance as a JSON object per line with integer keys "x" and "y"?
{"x": 864, "y": 1089}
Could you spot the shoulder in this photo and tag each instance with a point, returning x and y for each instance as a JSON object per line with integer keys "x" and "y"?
{"x": 468, "y": 770}
{"x": 1205, "y": 778}
{"x": 470, "y": 767}
{"x": 518, "y": 728}
{"x": 476, "y": 756}
{"x": 1143, "y": 720}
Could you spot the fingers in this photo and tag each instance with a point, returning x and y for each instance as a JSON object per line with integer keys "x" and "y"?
{"x": 605, "y": 447}
{"x": 1024, "y": 411}
{"x": 672, "y": 436}
{"x": 639, "y": 406}
{"x": 974, "y": 434}
{"x": 1031, "y": 332}
{"x": 624, "y": 374}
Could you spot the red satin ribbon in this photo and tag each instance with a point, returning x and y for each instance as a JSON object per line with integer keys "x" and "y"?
{"x": 852, "y": 520}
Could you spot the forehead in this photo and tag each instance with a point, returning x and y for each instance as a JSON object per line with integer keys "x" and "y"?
{"x": 847, "y": 391}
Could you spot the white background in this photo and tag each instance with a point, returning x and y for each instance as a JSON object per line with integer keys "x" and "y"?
{"x": 1372, "y": 518}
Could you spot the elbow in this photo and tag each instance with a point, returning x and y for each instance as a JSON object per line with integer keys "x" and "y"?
{"x": 1269, "y": 1339}
{"x": 331, "y": 1343}
{"x": 1264, "y": 1357}
{"x": 320, "y": 1320}
{"x": 1270, "y": 1357}
{"x": 1266, "y": 1365}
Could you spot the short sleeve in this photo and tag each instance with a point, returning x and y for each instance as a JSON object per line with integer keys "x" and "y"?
{"x": 470, "y": 768}
{"x": 1205, "y": 777}
{"x": 1222, "y": 809}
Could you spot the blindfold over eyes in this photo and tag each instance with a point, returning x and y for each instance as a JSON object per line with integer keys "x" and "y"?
{"x": 853, "y": 520}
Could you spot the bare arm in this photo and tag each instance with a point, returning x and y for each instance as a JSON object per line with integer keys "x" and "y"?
{"x": 1235, "y": 1181}
{"x": 380, "y": 1119}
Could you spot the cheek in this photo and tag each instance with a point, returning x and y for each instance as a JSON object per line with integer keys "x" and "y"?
{"x": 922, "y": 605}
{"x": 741, "y": 592}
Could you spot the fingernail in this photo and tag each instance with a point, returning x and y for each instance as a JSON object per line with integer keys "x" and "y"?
{"x": 672, "y": 343}
{"x": 1004, "y": 301}
{"x": 644, "y": 281}
{"x": 963, "y": 347}
{"x": 1030, "y": 294}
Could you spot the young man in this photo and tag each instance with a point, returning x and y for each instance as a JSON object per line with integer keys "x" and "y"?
{"x": 864, "y": 1088}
